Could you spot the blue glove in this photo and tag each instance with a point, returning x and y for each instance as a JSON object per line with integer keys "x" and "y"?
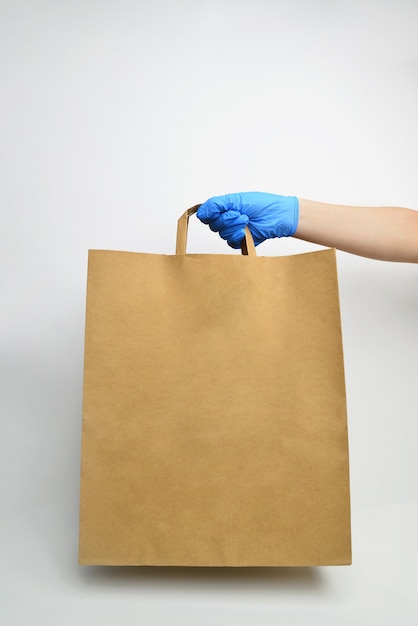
{"x": 266, "y": 215}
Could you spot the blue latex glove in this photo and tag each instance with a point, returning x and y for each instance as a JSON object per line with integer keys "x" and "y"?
{"x": 266, "y": 215}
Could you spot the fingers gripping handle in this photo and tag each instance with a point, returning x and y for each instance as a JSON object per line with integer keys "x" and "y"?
{"x": 247, "y": 244}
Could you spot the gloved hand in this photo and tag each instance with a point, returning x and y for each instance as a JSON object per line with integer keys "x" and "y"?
{"x": 266, "y": 215}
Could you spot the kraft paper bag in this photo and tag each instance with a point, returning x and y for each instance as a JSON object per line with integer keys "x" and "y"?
{"x": 214, "y": 412}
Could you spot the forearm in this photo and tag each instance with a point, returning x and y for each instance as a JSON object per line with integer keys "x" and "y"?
{"x": 385, "y": 233}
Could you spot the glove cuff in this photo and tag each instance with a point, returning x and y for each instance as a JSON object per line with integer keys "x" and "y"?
{"x": 293, "y": 212}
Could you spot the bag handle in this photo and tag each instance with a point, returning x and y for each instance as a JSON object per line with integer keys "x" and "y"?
{"x": 247, "y": 244}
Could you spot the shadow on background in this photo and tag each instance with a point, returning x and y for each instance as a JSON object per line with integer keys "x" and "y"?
{"x": 212, "y": 578}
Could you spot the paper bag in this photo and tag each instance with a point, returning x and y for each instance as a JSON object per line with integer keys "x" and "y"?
{"x": 214, "y": 411}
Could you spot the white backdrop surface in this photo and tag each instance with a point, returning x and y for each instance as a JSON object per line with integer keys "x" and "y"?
{"x": 115, "y": 117}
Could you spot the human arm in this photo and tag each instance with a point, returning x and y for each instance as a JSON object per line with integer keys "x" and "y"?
{"x": 385, "y": 233}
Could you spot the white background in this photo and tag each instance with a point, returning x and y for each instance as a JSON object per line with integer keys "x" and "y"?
{"x": 116, "y": 115}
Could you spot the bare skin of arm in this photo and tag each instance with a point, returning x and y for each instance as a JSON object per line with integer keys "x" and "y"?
{"x": 384, "y": 233}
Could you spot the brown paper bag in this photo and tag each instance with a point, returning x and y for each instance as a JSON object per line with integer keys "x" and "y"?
{"x": 214, "y": 412}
